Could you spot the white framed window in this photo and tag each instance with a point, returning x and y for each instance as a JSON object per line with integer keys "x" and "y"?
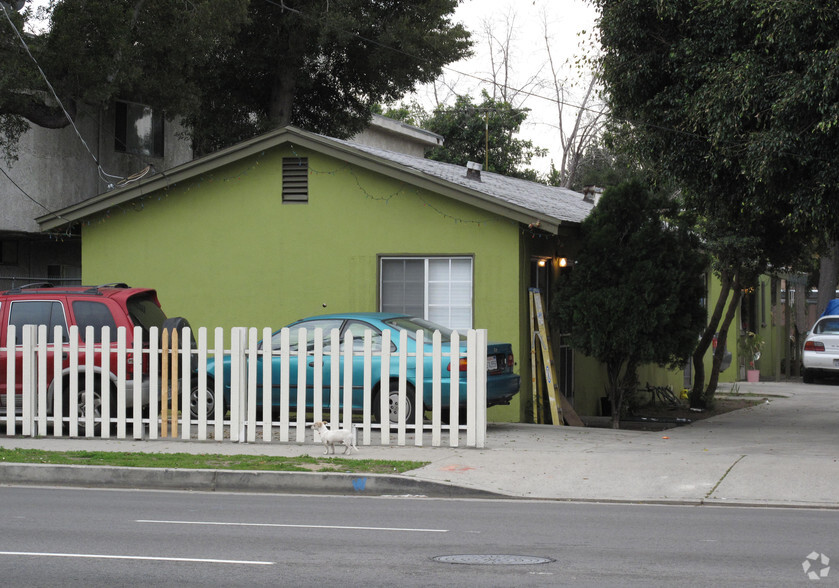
{"x": 438, "y": 289}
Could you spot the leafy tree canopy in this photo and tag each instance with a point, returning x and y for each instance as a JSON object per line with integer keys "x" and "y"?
{"x": 323, "y": 65}
{"x": 97, "y": 50}
{"x": 231, "y": 68}
{"x": 739, "y": 100}
{"x": 634, "y": 293}
{"x": 469, "y": 127}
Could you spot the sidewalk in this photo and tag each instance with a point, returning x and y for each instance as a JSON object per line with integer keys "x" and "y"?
{"x": 783, "y": 452}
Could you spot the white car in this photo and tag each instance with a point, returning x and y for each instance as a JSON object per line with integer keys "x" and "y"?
{"x": 821, "y": 349}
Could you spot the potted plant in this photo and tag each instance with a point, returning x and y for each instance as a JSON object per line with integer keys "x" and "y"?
{"x": 750, "y": 346}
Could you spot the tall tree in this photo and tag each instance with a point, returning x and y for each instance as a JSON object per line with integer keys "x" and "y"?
{"x": 736, "y": 103}
{"x": 322, "y": 65}
{"x": 633, "y": 296}
{"x": 484, "y": 133}
{"x": 231, "y": 68}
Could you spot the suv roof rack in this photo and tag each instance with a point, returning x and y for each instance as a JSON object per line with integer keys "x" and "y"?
{"x": 97, "y": 289}
{"x": 32, "y": 286}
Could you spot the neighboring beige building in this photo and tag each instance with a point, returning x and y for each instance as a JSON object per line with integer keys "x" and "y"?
{"x": 58, "y": 167}
{"x": 393, "y": 135}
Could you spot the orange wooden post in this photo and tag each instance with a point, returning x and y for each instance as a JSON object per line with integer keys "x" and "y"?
{"x": 175, "y": 362}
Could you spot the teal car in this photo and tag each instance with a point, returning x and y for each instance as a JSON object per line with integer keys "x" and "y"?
{"x": 502, "y": 383}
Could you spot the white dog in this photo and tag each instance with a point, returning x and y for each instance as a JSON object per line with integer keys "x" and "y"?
{"x": 330, "y": 438}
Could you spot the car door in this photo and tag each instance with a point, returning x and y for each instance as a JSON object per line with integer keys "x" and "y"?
{"x": 326, "y": 325}
{"x": 357, "y": 328}
{"x": 276, "y": 362}
{"x": 34, "y": 312}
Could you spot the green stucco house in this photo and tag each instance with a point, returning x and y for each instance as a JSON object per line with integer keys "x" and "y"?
{"x": 292, "y": 224}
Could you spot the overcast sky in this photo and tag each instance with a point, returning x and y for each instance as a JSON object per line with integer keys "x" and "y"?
{"x": 566, "y": 19}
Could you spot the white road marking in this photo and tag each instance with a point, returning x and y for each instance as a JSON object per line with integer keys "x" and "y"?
{"x": 139, "y": 557}
{"x": 348, "y": 528}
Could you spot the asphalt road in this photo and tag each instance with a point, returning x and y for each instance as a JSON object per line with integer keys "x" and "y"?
{"x": 84, "y": 537}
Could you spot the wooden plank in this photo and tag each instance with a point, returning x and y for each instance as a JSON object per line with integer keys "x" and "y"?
{"x": 174, "y": 366}
{"x": 419, "y": 393}
{"x": 58, "y": 392}
{"x": 164, "y": 384}
{"x": 547, "y": 360}
{"x": 137, "y": 389}
{"x": 11, "y": 380}
{"x": 122, "y": 374}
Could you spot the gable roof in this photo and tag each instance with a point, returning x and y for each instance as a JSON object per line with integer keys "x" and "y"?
{"x": 519, "y": 200}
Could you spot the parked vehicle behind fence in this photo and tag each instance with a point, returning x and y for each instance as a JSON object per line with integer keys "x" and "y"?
{"x": 89, "y": 308}
{"x": 502, "y": 383}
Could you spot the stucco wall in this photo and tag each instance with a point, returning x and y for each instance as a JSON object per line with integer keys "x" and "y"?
{"x": 56, "y": 169}
{"x": 224, "y": 251}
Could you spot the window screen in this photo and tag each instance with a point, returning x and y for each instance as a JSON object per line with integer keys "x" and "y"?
{"x": 438, "y": 289}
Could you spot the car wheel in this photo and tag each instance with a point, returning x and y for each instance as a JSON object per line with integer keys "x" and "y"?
{"x": 809, "y": 376}
{"x": 97, "y": 407}
{"x": 393, "y": 405}
{"x": 195, "y": 392}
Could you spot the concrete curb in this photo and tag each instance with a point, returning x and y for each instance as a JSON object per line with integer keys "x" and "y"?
{"x": 232, "y": 481}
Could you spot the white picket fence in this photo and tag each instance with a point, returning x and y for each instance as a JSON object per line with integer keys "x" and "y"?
{"x": 49, "y": 405}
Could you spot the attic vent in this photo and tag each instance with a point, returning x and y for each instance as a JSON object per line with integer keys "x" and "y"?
{"x": 295, "y": 179}
{"x": 473, "y": 171}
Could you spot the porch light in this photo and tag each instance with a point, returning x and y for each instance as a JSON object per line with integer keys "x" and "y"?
{"x": 542, "y": 262}
{"x": 563, "y": 262}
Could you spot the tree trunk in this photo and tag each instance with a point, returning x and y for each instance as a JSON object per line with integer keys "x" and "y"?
{"x": 696, "y": 393}
{"x": 613, "y": 370}
{"x": 282, "y": 97}
{"x": 730, "y": 313}
{"x": 828, "y": 277}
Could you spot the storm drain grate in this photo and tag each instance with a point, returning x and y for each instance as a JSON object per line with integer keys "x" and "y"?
{"x": 495, "y": 560}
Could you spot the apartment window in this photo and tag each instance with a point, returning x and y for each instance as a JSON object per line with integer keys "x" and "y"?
{"x": 138, "y": 129}
{"x": 438, "y": 289}
{"x": 295, "y": 179}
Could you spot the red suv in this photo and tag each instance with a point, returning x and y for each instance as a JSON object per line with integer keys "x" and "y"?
{"x": 109, "y": 305}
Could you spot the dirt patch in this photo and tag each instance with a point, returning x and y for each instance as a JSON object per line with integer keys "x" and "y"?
{"x": 659, "y": 418}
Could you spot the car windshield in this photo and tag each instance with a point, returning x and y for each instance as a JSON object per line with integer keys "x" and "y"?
{"x": 412, "y": 325}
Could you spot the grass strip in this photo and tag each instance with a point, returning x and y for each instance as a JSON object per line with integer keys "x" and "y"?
{"x": 303, "y": 463}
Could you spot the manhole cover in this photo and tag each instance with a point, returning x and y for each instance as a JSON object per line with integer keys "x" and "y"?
{"x": 498, "y": 560}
